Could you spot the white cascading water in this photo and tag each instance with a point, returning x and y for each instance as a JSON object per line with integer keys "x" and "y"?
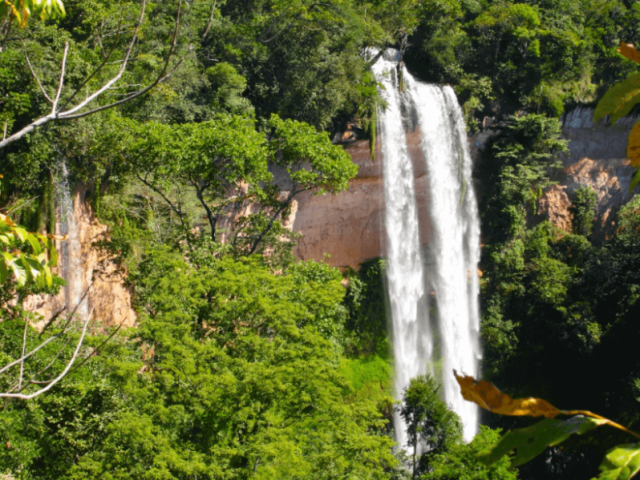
{"x": 454, "y": 248}
{"x": 405, "y": 272}
{"x": 70, "y": 250}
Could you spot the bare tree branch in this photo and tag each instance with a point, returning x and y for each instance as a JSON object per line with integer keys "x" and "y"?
{"x": 61, "y": 81}
{"x": 178, "y": 212}
{"x": 213, "y": 11}
{"x": 53, "y": 382}
{"x": 100, "y": 67}
{"x": 24, "y": 347}
{"x": 44, "y": 92}
{"x": 73, "y": 112}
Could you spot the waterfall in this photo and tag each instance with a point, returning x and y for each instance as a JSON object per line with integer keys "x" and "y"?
{"x": 405, "y": 272}
{"x": 70, "y": 251}
{"x": 448, "y": 268}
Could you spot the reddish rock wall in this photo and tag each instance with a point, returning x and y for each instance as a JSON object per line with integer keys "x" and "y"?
{"x": 87, "y": 269}
{"x": 597, "y": 158}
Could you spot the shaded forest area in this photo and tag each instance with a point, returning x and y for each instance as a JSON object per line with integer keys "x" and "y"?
{"x": 246, "y": 363}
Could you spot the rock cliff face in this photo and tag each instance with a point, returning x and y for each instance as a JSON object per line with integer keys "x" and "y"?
{"x": 88, "y": 272}
{"x": 350, "y": 226}
{"x": 597, "y": 158}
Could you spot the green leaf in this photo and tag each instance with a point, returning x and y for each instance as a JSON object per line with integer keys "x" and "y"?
{"x": 4, "y": 272}
{"x": 53, "y": 253}
{"x": 634, "y": 180}
{"x": 619, "y": 99}
{"x": 531, "y": 441}
{"x": 35, "y": 244}
{"x": 621, "y": 463}
{"x": 21, "y": 233}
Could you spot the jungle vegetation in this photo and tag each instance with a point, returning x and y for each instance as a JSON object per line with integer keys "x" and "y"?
{"x": 245, "y": 362}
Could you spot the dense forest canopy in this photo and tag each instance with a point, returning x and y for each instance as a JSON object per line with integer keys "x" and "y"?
{"x": 246, "y": 363}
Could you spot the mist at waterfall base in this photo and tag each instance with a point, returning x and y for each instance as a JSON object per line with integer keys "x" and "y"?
{"x": 433, "y": 293}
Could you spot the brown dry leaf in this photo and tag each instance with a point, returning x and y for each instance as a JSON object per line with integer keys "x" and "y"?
{"x": 55, "y": 237}
{"x": 633, "y": 147}
{"x": 629, "y": 51}
{"x": 487, "y": 396}
{"x": 6, "y": 219}
{"x": 490, "y": 398}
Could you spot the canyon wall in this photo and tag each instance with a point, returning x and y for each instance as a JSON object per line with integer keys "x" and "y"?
{"x": 95, "y": 284}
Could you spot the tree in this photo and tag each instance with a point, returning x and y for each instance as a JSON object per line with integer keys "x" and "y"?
{"x": 74, "y": 104}
{"x": 461, "y": 461}
{"x": 225, "y": 161}
{"x": 431, "y": 427}
{"x": 232, "y": 373}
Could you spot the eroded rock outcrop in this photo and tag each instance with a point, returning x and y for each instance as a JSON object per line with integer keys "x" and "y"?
{"x": 89, "y": 273}
{"x": 597, "y": 159}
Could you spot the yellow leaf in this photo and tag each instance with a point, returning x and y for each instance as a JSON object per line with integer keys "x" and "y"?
{"x": 490, "y": 398}
{"x": 629, "y": 51}
{"x": 56, "y": 237}
{"x": 487, "y": 396}
{"x": 633, "y": 147}
{"x": 6, "y": 219}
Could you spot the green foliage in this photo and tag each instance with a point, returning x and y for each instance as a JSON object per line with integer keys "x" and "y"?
{"x": 535, "y": 56}
{"x": 583, "y": 208}
{"x": 619, "y": 99}
{"x": 519, "y": 162}
{"x": 532, "y": 441}
{"x": 26, "y": 258}
{"x": 429, "y": 422}
{"x": 461, "y": 462}
{"x": 366, "y": 301}
{"x": 232, "y": 373}
{"x": 229, "y": 86}
{"x": 629, "y": 218}
{"x": 621, "y": 463}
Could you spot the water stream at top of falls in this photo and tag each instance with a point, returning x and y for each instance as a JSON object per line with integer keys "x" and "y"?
{"x": 446, "y": 270}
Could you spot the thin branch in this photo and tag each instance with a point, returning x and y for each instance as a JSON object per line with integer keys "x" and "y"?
{"x": 62, "y": 114}
{"x": 101, "y": 66}
{"x": 33, "y": 72}
{"x": 59, "y": 377}
{"x": 213, "y": 219}
{"x": 162, "y": 76}
{"x": 206, "y": 31}
{"x": 61, "y": 81}
{"x": 268, "y": 228}
{"x": 125, "y": 61}
{"x": 6, "y": 35}
{"x": 24, "y": 347}
{"x": 159, "y": 192}
{"x": 97, "y": 349}
{"x": 50, "y": 339}
{"x": 130, "y": 97}
{"x": 52, "y": 319}
{"x": 32, "y": 379}
{"x": 35, "y": 350}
